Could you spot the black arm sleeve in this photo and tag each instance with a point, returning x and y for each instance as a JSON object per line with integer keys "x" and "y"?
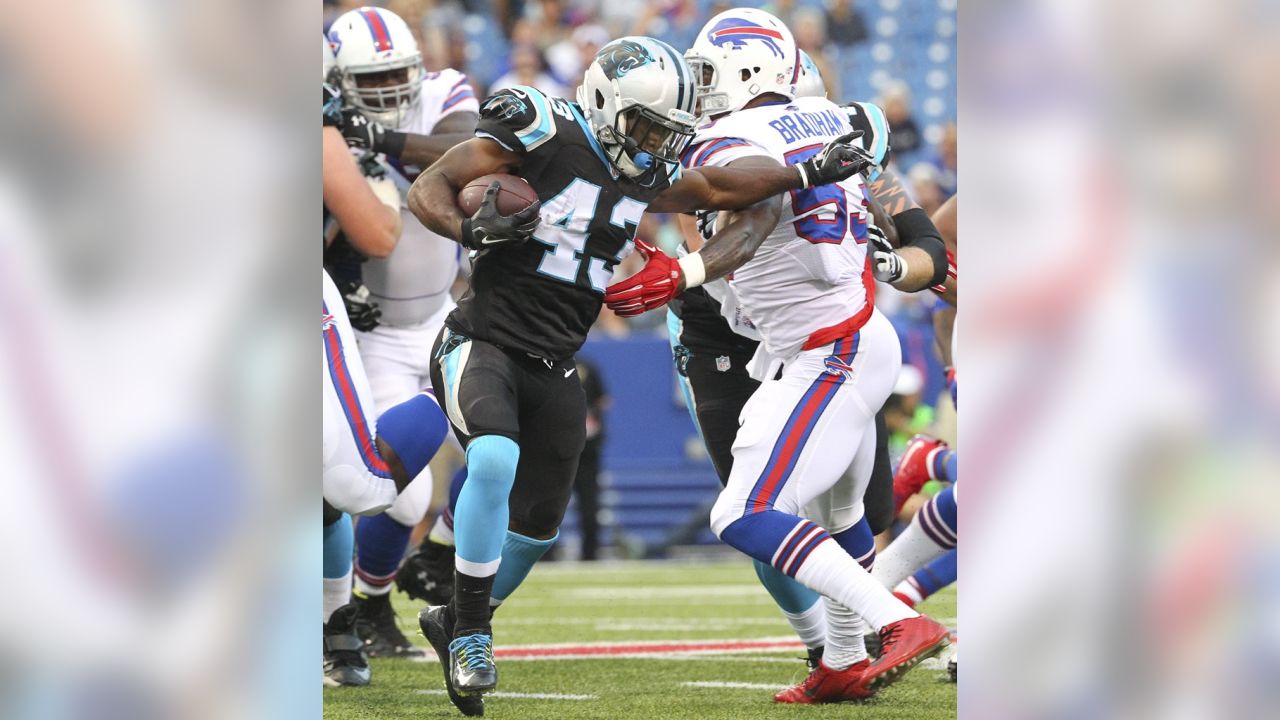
{"x": 915, "y": 229}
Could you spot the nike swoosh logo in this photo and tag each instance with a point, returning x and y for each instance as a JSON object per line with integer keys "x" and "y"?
{"x": 569, "y": 372}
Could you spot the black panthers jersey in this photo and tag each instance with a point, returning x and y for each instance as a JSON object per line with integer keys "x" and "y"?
{"x": 542, "y": 296}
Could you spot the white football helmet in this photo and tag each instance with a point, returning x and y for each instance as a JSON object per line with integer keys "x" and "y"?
{"x": 638, "y": 96}
{"x": 741, "y": 54}
{"x": 379, "y": 65}
{"x": 810, "y": 84}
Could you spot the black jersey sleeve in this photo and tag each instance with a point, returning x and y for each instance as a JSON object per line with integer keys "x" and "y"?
{"x": 871, "y": 121}
{"x": 518, "y": 118}
{"x": 332, "y": 106}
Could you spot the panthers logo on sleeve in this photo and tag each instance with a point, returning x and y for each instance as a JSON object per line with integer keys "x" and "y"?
{"x": 503, "y": 107}
{"x": 518, "y": 118}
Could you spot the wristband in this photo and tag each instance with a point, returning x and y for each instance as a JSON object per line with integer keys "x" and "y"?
{"x": 694, "y": 270}
{"x": 804, "y": 177}
{"x": 393, "y": 143}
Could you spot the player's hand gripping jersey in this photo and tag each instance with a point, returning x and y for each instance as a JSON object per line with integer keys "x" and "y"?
{"x": 809, "y": 283}
{"x": 541, "y": 297}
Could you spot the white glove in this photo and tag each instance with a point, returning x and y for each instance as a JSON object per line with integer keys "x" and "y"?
{"x": 888, "y": 266}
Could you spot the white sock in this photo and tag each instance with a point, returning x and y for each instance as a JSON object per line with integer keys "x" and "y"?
{"x": 845, "y": 629}
{"x": 367, "y": 590}
{"x": 909, "y": 588}
{"x": 440, "y": 532}
{"x": 907, "y": 553}
{"x": 830, "y": 571}
{"x": 810, "y": 625}
{"x": 337, "y": 592}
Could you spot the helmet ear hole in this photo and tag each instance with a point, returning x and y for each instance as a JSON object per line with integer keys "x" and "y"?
{"x": 599, "y": 100}
{"x": 745, "y": 74}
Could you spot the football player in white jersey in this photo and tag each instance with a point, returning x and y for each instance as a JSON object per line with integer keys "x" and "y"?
{"x": 803, "y": 274}
{"x": 411, "y": 117}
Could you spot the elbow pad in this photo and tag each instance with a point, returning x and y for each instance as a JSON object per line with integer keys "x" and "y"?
{"x": 915, "y": 229}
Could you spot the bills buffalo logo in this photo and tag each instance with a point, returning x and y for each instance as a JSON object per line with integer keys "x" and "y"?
{"x": 836, "y": 366}
{"x": 326, "y": 321}
{"x": 503, "y": 107}
{"x": 619, "y": 58}
{"x": 335, "y": 41}
{"x": 737, "y": 32}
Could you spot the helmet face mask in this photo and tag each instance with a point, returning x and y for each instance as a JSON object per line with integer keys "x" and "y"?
{"x": 638, "y": 97}
{"x": 378, "y": 64}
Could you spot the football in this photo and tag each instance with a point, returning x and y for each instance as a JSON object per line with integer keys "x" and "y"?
{"x": 514, "y": 196}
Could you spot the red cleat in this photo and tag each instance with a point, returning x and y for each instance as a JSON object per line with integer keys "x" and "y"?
{"x": 913, "y": 469}
{"x": 825, "y": 685}
{"x": 905, "y": 599}
{"x": 903, "y": 645}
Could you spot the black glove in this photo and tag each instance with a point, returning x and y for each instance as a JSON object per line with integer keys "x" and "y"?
{"x": 838, "y": 160}
{"x": 361, "y": 311}
{"x": 487, "y": 228}
{"x": 365, "y": 134}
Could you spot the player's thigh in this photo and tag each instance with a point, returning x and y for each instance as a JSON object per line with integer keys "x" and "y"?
{"x": 843, "y": 505}
{"x": 720, "y": 397}
{"x": 553, "y": 434}
{"x": 392, "y": 381}
{"x": 878, "y": 500}
{"x": 762, "y": 423}
{"x": 477, "y": 384}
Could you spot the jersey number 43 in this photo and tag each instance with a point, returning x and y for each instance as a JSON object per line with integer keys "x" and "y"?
{"x": 565, "y": 220}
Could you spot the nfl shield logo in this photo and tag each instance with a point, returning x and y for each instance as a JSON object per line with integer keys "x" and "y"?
{"x": 722, "y": 363}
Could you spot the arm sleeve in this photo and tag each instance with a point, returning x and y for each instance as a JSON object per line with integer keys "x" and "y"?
{"x": 875, "y": 132}
{"x": 715, "y": 152}
{"x": 518, "y": 118}
{"x": 461, "y": 97}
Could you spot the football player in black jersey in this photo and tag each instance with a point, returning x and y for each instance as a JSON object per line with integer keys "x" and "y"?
{"x": 505, "y": 359}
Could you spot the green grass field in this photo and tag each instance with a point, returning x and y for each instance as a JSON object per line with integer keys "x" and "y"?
{"x": 639, "y": 602}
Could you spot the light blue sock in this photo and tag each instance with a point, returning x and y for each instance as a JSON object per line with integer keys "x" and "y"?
{"x": 519, "y": 553}
{"x": 480, "y": 520}
{"x": 790, "y": 595}
{"x": 339, "y": 541}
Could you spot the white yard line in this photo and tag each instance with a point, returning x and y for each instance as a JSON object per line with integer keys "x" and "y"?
{"x": 520, "y": 695}
{"x": 732, "y": 685}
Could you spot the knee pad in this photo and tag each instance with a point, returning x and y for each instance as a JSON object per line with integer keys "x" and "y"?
{"x": 415, "y": 430}
{"x": 493, "y": 459}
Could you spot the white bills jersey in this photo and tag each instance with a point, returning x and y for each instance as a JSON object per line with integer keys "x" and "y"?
{"x": 810, "y": 282}
{"x": 412, "y": 284}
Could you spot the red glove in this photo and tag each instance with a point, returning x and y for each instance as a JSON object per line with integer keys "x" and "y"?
{"x": 656, "y": 283}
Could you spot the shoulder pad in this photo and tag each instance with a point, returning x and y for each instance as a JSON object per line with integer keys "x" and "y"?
{"x": 519, "y": 118}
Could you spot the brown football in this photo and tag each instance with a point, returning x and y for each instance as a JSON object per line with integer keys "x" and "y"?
{"x": 514, "y": 196}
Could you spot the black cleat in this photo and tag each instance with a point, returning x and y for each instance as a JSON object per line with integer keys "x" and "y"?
{"x": 474, "y": 671}
{"x": 815, "y": 657}
{"x": 438, "y": 629}
{"x": 344, "y": 659}
{"x": 427, "y": 574}
{"x": 377, "y": 627}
